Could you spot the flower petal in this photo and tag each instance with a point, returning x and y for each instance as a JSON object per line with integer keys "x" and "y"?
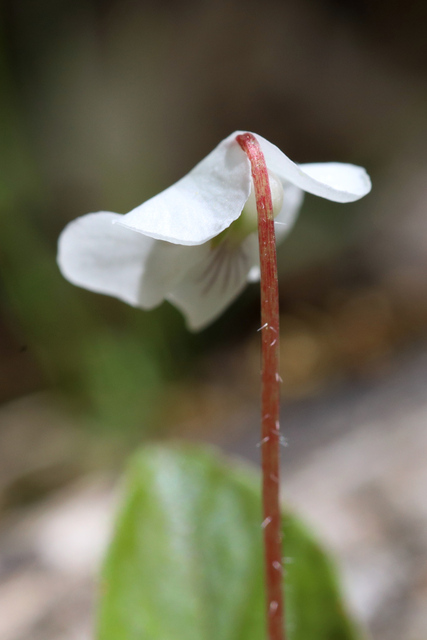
{"x": 214, "y": 283}
{"x": 285, "y": 219}
{"x": 99, "y": 256}
{"x": 331, "y": 180}
{"x": 200, "y": 205}
{"x": 167, "y": 264}
{"x": 283, "y": 223}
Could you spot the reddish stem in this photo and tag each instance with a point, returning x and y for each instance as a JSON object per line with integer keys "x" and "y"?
{"x": 270, "y": 436}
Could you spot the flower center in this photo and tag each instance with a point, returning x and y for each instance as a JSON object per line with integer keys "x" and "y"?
{"x": 247, "y": 222}
{"x": 249, "y": 217}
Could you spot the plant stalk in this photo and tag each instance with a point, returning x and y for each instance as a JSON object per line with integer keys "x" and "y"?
{"x": 270, "y": 395}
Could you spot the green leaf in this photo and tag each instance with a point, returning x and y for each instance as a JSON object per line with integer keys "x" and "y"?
{"x": 186, "y": 559}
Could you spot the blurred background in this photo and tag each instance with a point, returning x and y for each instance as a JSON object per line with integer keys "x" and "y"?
{"x": 105, "y": 103}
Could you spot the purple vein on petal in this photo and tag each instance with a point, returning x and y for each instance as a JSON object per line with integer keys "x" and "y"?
{"x": 225, "y": 266}
{"x": 213, "y": 270}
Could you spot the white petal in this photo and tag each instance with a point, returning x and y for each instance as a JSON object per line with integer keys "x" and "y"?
{"x": 339, "y": 178}
{"x": 214, "y": 283}
{"x": 254, "y": 274}
{"x": 331, "y": 180}
{"x": 200, "y": 205}
{"x": 96, "y": 254}
{"x": 285, "y": 219}
{"x": 167, "y": 265}
{"x": 251, "y": 248}
{"x": 283, "y": 223}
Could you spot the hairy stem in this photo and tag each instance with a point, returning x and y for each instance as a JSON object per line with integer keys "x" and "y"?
{"x": 270, "y": 435}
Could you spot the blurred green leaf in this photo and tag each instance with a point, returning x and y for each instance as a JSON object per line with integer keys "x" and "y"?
{"x": 186, "y": 559}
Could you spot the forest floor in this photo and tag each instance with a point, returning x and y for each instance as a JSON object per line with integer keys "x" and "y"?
{"x": 355, "y": 468}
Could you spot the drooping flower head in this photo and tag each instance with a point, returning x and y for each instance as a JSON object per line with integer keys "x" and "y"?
{"x": 195, "y": 244}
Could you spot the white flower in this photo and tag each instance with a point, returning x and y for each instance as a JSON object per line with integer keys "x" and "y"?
{"x": 196, "y": 244}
